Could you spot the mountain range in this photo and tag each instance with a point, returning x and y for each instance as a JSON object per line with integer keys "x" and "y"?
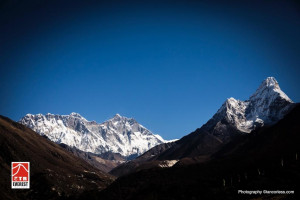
{"x": 117, "y": 135}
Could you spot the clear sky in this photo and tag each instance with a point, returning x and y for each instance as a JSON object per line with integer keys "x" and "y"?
{"x": 169, "y": 65}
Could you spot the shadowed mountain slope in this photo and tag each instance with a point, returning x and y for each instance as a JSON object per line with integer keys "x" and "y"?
{"x": 54, "y": 172}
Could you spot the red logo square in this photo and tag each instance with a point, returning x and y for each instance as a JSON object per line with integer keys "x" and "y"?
{"x": 20, "y": 175}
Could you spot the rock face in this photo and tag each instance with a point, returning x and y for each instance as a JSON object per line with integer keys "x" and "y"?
{"x": 118, "y": 135}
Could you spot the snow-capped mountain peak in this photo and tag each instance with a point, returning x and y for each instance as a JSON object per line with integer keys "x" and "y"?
{"x": 117, "y": 117}
{"x": 269, "y": 89}
{"x": 266, "y": 106}
{"x": 118, "y": 135}
{"x": 270, "y": 82}
{"x": 74, "y": 114}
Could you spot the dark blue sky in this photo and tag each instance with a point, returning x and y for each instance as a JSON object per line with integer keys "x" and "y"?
{"x": 169, "y": 65}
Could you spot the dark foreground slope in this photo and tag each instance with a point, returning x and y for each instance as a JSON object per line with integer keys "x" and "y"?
{"x": 55, "y": 173}
{"x": 267, "y": 159}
